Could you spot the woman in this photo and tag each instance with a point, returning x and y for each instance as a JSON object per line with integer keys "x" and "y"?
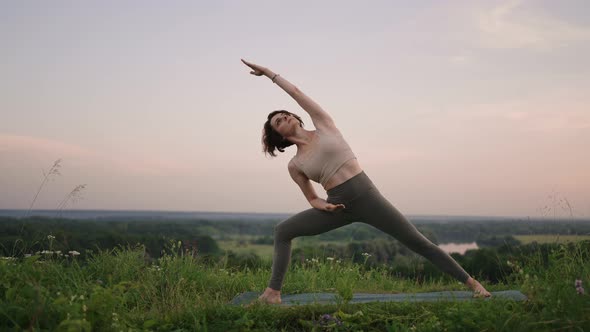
{"x": 324, "y": 156}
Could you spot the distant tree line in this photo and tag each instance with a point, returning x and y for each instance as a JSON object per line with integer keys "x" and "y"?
{"x": 198, "y": 237}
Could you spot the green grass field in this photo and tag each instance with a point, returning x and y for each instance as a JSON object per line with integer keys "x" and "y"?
{"x": 119, "y": 291}
{"x": 551, "y": 238}
{"x": 263, "y": 250}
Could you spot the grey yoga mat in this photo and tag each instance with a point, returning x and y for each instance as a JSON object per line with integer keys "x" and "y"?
{"x": 332, "y": 298}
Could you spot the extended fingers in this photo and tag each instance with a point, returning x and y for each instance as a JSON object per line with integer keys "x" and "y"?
{"x": 335, "y": 207}
{"x": 249, "y": 64}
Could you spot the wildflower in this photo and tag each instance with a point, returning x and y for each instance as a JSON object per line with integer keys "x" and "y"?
{"x": 327, "y": 319}
{"x": 330, "y": 258}
{"x": 579, "y": 288}
{"x": 50, "y": 237}
{"x": 366, "y": 254}
{"x": 73, "y": 253}
{"x": 47, "y": 252}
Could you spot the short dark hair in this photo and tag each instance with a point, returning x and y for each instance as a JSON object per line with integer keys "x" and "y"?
{"x": 271, "y": 139}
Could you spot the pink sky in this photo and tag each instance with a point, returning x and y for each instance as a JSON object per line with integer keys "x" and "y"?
{"x": 468, "y": 108}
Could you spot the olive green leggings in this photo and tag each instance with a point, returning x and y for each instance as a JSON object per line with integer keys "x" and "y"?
{"x": 363, "y": 203}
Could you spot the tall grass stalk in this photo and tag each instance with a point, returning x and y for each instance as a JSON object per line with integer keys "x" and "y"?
{"x": 53, "y": 171}
{"x": 74, "y": 196}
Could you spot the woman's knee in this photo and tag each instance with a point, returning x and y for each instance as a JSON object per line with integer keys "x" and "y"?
{"x": 281, "y": 231}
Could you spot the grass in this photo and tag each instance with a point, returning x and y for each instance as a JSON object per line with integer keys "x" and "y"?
{"x": 119, "y": 290}
{"x": 265, "y": 251}
{"x": 550, "y": 238}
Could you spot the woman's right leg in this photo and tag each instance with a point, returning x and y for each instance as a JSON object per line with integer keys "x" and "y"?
{"x": 309, "y": 222}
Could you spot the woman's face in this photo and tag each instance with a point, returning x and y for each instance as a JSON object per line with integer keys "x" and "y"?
{"x": 283, "y": 123}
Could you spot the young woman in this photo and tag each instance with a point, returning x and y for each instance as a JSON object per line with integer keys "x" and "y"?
{"x": 324, "y": 156}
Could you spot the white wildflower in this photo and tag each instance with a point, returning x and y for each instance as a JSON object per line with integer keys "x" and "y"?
{"x": 50, "y": 237}
{"x": 73, "y": 253}
{"x": 330, "y": 258}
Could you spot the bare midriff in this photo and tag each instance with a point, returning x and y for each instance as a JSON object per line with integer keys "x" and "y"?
{"x": 347, "y": 171}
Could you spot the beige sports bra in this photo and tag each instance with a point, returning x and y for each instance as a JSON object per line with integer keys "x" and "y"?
{"x": 327, "y": 155}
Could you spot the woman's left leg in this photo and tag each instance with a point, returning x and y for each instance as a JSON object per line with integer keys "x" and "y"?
{"x": 377, "y": 211}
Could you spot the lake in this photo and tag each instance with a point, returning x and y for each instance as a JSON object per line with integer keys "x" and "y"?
{"x": 460, "y": 248}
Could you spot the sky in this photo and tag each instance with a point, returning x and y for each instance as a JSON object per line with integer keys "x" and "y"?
{"x": 451, "y": 107}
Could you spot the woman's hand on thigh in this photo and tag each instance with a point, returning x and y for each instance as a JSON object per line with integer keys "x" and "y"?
{"x": 334, "y": 207}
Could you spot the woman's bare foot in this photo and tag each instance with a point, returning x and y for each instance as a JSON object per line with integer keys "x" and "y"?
{"x": 477, "y": 288}
{"x": 270, "y": 296}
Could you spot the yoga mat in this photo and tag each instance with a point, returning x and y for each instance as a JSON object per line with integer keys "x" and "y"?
{"x": 331, "y": 298}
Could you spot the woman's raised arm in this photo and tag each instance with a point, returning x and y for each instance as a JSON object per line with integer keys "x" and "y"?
{"x": 319, "y": 117}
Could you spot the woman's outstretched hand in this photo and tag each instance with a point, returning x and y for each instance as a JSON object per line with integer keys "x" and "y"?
{"x": 334, "y": 207}
{"x": 256, "y": 69}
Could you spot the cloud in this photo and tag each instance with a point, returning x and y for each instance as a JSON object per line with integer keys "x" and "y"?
{"x": 26, "y": 143}
{"x": 554, "y": 111}
{"x": 48, "y": 149}
{"x": 509, "y": 25}
{"x": 459, "y": 59}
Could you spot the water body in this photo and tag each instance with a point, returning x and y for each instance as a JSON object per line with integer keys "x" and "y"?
{"x": 460, "y": 248}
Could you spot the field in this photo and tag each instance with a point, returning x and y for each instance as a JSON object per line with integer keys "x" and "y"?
{"x": 265, "y": 251}
{"x": 551, "y": 238}
{"x": 117, "y": 290}
{"x": 262, "y": 250}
